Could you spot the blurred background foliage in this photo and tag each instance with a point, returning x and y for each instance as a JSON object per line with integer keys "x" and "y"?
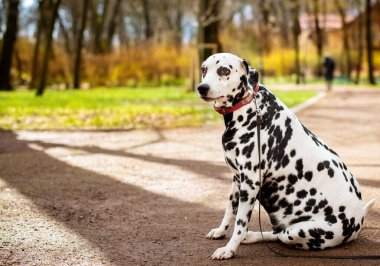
{"x": 151, "y": 42}
{"x": 108, "y": 48}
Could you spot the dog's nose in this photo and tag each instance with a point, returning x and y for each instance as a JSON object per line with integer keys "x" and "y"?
{"x": 203, "y": 89}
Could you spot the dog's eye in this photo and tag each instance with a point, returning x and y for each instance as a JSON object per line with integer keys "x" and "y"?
{"x": 203, "y": 71}
{"x": 223, "y": 71}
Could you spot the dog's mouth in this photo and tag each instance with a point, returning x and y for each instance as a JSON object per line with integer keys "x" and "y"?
{"x": 208, "y": 99}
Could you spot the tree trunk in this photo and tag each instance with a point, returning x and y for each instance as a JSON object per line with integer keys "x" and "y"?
{"x": 65, "y": 35}
{"x": 296, "y": 30}
{"x": 371, "y": 78}
{"x": 318, "y": 36}
{"x": 18, "y": 63}
{"x": 284, "y": 26}
{"x": 208, "y": 30}
{"x": 98, "y": 21}
{"x": 40, "y": 27}
{"x": 123, "y": 37}
{"x": 79, "y": 44}
{"x": 8, "y": 46}
{"x": 48, "y": 46}
{"x": 264, "y": 27}
{"x": 346, "y": 44}
{"x": 360, "y": 44}
{"x": 112, "y": 25}
{"x": 178, "y": 35}
{"x": 147, "y": 19}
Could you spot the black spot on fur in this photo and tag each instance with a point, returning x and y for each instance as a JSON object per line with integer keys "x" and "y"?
{"x": 331, "y": 219}
{"x": 247, "y": 150}
{"x": 329, "y": 235}
{"x": 289, "y": 209}
{"x": 330, "y": 172}
{"x": 243, "y": 196}
{"x": 300, "y": 219}
{"x": 230, "y": 163}
{"x": 292, "y": 179}
{"x": 308, "y": 176}
{"x": 302, "y": 194}
{"x": 312, "y": 191}
{"x": 299, "y": 168}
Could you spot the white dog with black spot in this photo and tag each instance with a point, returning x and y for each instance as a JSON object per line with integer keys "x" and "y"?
{"x": 313, "y": 201}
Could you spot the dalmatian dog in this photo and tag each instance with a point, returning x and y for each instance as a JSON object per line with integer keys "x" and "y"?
{"x": 312, "y": 199}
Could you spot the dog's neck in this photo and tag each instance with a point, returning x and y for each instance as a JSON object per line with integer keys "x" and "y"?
{"x": 249, "y": 107}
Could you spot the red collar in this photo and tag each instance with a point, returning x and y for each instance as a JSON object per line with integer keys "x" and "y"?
{"x": 246, "y": 100}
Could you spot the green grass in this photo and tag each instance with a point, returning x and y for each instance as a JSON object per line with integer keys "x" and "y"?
{"x": 113, "y": 108}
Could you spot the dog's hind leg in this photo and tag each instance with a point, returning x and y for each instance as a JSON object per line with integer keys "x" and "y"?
{"x": 254, "y": 237}
{"x": 318, "y": 235}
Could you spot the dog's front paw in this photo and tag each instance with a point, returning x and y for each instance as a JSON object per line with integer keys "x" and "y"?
{"x": 216, "y": 233}
{"x": 223, "y": 253}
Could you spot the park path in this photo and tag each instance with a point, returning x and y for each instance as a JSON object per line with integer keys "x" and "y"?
{"x": 150, "y": 197}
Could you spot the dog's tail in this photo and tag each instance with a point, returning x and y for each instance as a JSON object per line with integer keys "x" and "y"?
{"x": 368, "y": 206}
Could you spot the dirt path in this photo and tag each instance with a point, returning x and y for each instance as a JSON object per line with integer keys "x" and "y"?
{"x": 150, "y": 197}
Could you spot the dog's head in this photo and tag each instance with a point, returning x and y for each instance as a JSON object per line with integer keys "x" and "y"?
{"x": 225, "y": 79}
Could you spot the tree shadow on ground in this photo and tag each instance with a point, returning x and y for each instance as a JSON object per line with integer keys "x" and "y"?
{"x": 129, "y": 224}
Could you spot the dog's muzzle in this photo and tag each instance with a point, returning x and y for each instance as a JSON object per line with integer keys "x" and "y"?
{"x": 203, "y": 89}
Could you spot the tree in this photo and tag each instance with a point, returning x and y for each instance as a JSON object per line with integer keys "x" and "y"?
{"x": 97, "y": 23}
{"x": 371, "y": 78}
{"x": 208, "y": 29}
{"x": 112, "y": 25}
{"x": 8, "y": 45}
{"x": 173, "y": 14}
{"x": 359, "y": 43}
{"x": 346, "y": 45}
{"x": 79, "y": 44}
{"x": 296, "y": 31}
{"x": 265, "y": 8}
{"x": 147, "y": 20}
{"x": 48, "y": 46}
{"x": 40, "y": 28}
{"x": 318, "y": 36}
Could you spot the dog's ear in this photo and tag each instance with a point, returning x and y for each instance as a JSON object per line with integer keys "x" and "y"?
{"x": 253, "y": 77}
{"x": 245, "y": 65}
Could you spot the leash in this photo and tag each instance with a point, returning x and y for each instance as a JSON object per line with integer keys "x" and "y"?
{"x": 276, "y": 252}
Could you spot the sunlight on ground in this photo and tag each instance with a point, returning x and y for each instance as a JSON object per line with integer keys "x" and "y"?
{"x": 137, "y": 163}
{"x": 35, "y": 226}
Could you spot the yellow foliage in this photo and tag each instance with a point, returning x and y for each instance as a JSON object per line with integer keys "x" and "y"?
{"x": 156, "y": 64}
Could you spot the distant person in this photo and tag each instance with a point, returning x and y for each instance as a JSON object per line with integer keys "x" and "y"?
{"x": 329, "y": 66}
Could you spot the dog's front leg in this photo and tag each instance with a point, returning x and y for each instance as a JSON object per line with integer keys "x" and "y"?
{"x": 231, "y": 209}
{"x": 248, "y": 192}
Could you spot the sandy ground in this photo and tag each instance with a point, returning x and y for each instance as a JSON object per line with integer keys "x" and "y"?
{"x": 150, "y": 197}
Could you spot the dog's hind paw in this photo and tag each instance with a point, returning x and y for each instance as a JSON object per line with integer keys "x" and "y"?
{"x": 223, "y": 253}
{"x": 216, "y": 233}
